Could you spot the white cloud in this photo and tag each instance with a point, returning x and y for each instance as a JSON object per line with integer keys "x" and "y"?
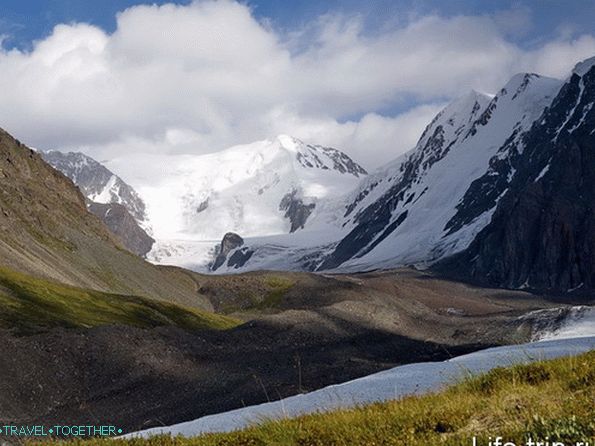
{"x": 202, "y": 77}
{"x": 555, "y": 58}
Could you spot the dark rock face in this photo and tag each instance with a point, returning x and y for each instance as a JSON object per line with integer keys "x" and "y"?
{"x": 342, "y": 163}
{"x": 295, "y": 210}
{"x": 202, "y": 206}
{"x": 542, "y": 234}
{"x": 123, "y": 225}
{"x": 240, "y": 257}
{"x": 230, "y": 242}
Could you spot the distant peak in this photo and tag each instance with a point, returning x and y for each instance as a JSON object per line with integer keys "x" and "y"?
{"x": 465, "y": 105}
{"x": 474, "y": 94}
{"x": 319, "y": 157}
{"x": 289, "y": 142}
{"x": 470, "y": 98}
{"x": 583, "y": 67}
{"x": 519, "y": 80}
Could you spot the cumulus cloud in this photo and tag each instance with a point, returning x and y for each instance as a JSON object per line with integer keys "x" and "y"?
{"x": 201, "y": 77}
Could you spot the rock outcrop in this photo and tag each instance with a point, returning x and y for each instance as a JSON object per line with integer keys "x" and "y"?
{"x": 230, "y": 242}
{"x": 296, "y": 211}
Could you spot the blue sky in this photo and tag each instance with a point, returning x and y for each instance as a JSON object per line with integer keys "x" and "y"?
{"x": 25, "y": 21}
{"x": 110, "y": 77}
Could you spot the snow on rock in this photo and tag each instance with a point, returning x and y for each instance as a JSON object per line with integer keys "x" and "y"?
{"x": 387, "y": 385}
{"x": 427, "y": 205}
{"x": 195, "y": 255}
{"x": 560, "y": 322}
{"x": 583, "y": 67}
{"x": 415, "y": 210}
{"x": 96, "y": 182}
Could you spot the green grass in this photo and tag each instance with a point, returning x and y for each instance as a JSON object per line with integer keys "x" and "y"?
{"x": 554, "y": 399}
{"x": 278, "y": 287}
{"x": 30, "y": 305}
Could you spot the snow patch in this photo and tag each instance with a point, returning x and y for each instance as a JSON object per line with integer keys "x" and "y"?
{"x": 542, "y": 173}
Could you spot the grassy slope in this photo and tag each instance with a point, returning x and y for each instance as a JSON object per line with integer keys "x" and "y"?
{"x": 552, "y": 398}
{"x": 29, "y": 305}
{"x": 46, "y": 231}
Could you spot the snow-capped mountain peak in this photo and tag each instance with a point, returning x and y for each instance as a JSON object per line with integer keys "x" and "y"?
{"x": 451, "y": 124}
{"x": 319, "y": 157}
{"x": 289, "y": 142}
{"x": 437, "y": 198}
{"x": 263, "y": 188}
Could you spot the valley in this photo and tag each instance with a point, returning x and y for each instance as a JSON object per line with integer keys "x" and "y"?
{"x": 282, "y": 334}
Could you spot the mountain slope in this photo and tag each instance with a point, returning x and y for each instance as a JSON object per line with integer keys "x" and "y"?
{"x": 109, "y": 198}
{"x": 31, "y": 306}
{"x": 542, "y": 235}
{"x": 96, "y": 182}
{"x": 46, "y": 231}
{"x": 123, "y": 225}
{"x": 429, "y": 206}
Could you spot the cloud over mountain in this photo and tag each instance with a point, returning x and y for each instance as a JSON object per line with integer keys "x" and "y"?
{"x": 201, "y": 77}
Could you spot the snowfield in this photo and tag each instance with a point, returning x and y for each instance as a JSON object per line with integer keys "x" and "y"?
{"x": 412, "y": 379}
{"x": 192, "y": 201}
{"x": 201, "y": 197}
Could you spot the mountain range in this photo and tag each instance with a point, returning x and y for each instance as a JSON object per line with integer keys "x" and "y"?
{"x": 496, "y": 190}
{"x": 159, "y": 344}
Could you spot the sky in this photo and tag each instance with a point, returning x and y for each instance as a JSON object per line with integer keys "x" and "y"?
{"x": 114, "y": 77}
